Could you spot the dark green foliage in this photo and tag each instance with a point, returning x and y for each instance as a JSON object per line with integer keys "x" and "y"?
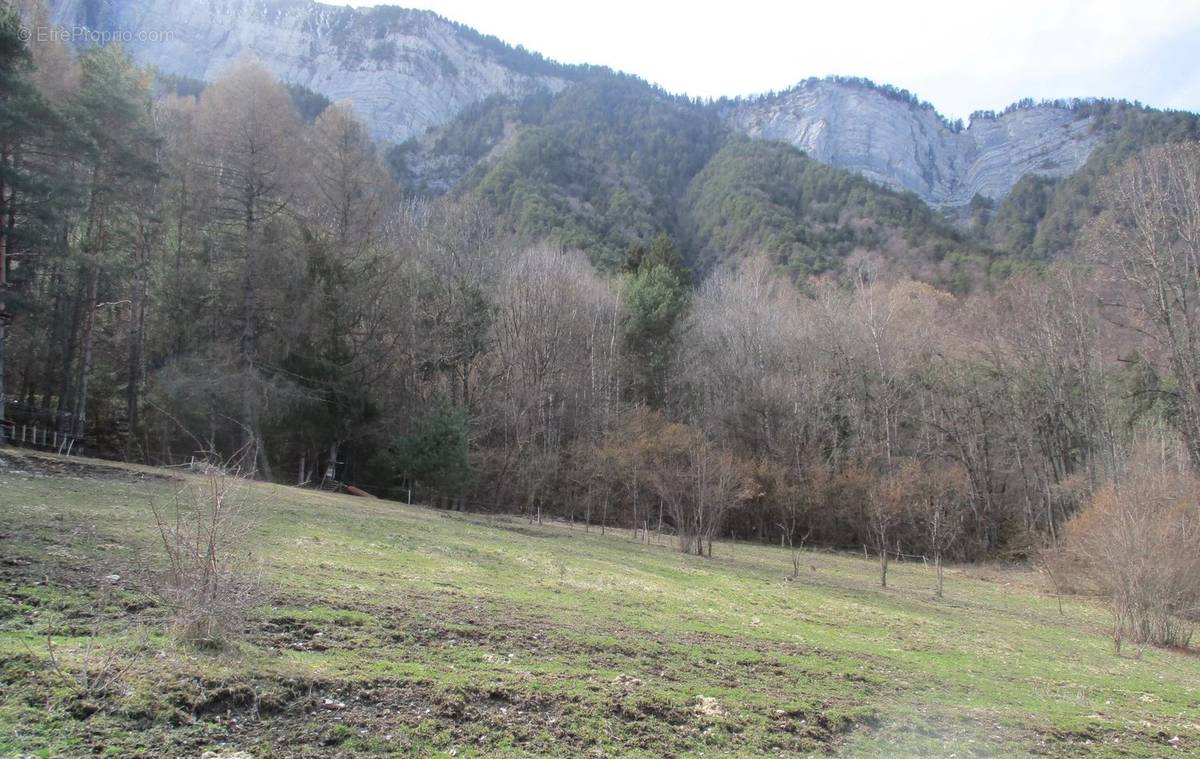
{"x": 14, "y": 55}
{"x": 662, "y": 252}
{"x": 309, "y": 104}
{"x": 1013, "y": 226}
{"x": 384, "y": 52}
{"x": 175, "y": 84}
{"x": 397, "y": 159}
{"x": 610, "y": 162}
{"x": 33, "y": 193}
{"x": 481, "y": 126}
{"x": 1042, "y": 219}
{"x": 434, "y": 452}
{"x": 113, "y": 110}
{"x": 601, "y": 167}
{"x": 656, "y": 298}
{"x": 768, "y": 197}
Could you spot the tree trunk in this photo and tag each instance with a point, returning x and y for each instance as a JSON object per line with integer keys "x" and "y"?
{"x": 883, "y": 567}
{"x": 85, "y": 352}
{"x": 937, "y": 563}
{"x": 3, "y": 394}
{"x": 63, "y": 391}
{"x": 137, "y": 337}
{"x": 248, "y": 340}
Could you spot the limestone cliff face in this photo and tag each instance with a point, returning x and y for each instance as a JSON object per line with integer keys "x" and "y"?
{"x": 906, "y": 145}
{"x": 404, "y": 70}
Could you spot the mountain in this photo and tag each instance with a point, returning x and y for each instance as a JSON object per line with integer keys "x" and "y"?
{"x": 889, "y": 136}
{"x": 404, "y": 70}
{"x": 591, "y": 158}
{"x": 408, "y": 71}
{"x": 612, "y": 161}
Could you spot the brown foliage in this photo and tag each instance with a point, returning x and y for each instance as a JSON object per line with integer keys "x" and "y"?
{"x": 697, "y": 482}
{"x": 1135, "y": 543}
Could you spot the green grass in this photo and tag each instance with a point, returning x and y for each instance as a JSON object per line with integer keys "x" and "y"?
{"x": 399, "y": 631}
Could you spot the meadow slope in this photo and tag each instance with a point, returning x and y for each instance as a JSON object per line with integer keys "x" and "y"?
{"x": 397, "y": 630}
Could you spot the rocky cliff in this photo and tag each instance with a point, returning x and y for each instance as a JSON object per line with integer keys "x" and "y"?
{"x": 407, "y": 71}
{"x": 905, "y": 144}
{"x": 404, "y": 70}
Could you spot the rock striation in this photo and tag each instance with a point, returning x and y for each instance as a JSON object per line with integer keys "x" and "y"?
{"x": 907, "y": 146}
{"x": 404, "y": 70}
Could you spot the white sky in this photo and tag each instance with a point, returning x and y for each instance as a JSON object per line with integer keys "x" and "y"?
{"x": 959, "y": 55}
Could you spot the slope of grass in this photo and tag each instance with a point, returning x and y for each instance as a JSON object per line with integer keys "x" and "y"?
{"x": 394, "y": 631}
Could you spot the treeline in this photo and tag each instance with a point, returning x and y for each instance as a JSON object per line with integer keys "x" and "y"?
{"x": 210, "y": 275}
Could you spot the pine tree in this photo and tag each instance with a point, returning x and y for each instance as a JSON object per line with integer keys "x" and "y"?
{"x": 656, "y": 297}
{"x": 113, "y": 109}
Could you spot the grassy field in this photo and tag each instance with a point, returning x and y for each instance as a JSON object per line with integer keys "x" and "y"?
{"x": 393, "y": 630}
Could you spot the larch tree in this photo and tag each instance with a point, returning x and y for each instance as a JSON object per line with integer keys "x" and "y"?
{"x": 249, "y": 133}
{"x": 1148, "y": 241}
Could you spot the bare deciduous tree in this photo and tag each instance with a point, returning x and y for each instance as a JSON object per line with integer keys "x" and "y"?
{"x": 942, "y": 493}
{"x": 1148, "y": 241}
{"x": 1136, "y": 542}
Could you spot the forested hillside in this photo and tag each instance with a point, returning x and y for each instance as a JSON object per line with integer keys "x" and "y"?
{"x": 600, "y": 320}
{"x": 602, "y": 169}
{"x": 612, "y": 161}
{"x": 1042, "y": 218}
{"x": 759, "y": 197}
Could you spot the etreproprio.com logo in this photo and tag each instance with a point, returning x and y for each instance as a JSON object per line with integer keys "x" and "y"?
{"x": 82, "y": 35}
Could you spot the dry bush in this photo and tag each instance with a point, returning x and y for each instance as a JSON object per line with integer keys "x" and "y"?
{"x": 1135, "y": 542}
{"x": 698, "y": 482}
{"x": 208, "y": 583}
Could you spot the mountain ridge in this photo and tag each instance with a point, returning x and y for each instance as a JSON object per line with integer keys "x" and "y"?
{"x": 410, "y": 71}
{"x": 908, "y": 145}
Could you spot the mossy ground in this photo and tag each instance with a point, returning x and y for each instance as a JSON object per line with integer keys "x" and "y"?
{"x": 402, "y": 631}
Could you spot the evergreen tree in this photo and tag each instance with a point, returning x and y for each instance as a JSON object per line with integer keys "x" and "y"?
{"x": 119, "y": 163}
{"x": 434, "y": 453}
{"x": 36, "y": 142}
{"x": 656, "y": 297}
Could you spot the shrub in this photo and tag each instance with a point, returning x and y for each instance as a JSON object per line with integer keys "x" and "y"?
{"x": 1135, "y": 542}
{"x": 206, "y": 583}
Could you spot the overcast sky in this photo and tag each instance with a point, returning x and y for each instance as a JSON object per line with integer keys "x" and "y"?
{"x": 961, "y": 56}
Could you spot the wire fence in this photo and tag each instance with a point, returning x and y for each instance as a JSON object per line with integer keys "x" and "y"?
{"x": 44, "y": 438}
